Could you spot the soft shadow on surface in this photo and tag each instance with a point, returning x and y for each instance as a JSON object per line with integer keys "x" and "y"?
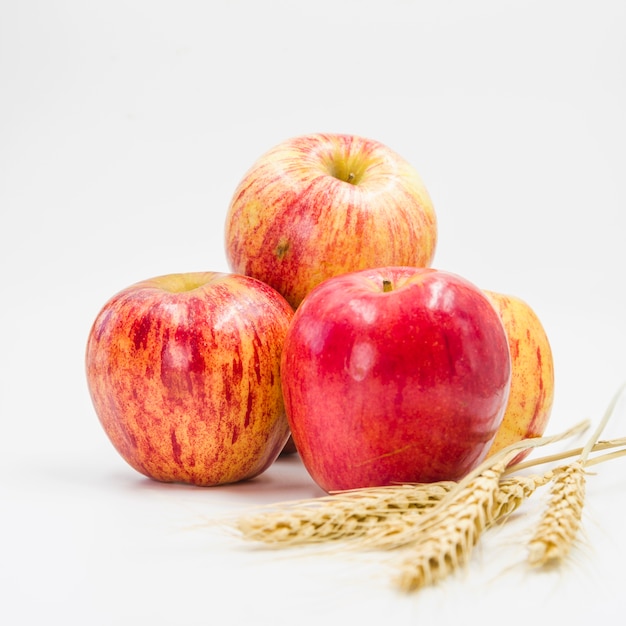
{"x": 102, "y": 477}
{"x": 286, "y": 479}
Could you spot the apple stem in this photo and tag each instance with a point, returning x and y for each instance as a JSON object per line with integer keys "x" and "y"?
{"x": 351, "y": 177}
{"x": 387, "y": 285}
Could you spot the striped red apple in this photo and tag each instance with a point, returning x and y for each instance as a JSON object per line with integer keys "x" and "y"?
{"x": 320, "y": 205}
{"x": 184, "y": 374}
{"x": 532, "y": 374}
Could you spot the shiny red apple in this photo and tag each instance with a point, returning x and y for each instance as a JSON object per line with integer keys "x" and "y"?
{"x": 320, "y": 205}
{"x": 184, "y": 374}
{"x": 397, "y": 374}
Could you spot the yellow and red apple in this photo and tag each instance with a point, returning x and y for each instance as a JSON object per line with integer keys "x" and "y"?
{"x": 320, "y": 205}
{"x": 395, "y": 374}
{"x": 532, "y": 373}
{"x": 184, "y": 374}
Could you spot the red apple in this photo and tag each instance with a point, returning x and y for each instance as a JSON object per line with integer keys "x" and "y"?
{"x": 184, "y": 374}
{"x": 394, "y": 374}
{"x": 320, "y": 205}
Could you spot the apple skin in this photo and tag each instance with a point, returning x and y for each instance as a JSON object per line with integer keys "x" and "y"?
{"x": 320, "y": 205}
{"x": 184, "y": 375}
{"x": 406, "y": 385}
{"x": 532, "y": 374}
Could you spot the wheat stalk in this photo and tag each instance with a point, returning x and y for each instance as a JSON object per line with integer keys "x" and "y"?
{"x": 559, "y": 525}
{"x": 571, "y": 452}
{"x": 436, "y": 525}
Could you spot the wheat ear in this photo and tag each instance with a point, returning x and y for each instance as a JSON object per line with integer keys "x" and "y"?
{"x": 560, "y": 522}
{"x": 342, "y": 516}
{"x": 559, "y": 525}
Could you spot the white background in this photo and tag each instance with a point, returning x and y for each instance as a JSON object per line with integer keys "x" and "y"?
{"x": 124, "y": 129}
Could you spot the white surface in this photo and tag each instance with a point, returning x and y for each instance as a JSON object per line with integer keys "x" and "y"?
{"x": 124, "y": 128}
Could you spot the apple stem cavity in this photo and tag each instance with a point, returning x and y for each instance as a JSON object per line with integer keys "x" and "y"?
{"x": 182, "y": 282}
{"x": 348, "y": 169}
